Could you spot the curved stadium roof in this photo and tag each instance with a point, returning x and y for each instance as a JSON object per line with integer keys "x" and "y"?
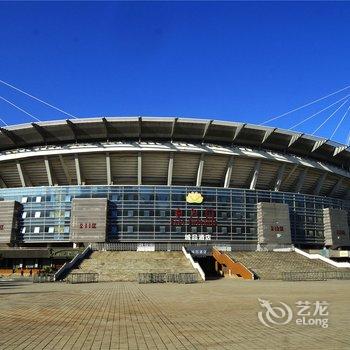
{"x": 57, "y": 144}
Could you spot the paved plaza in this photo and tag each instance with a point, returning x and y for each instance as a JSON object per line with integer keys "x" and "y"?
{"x": 221, "y": 314}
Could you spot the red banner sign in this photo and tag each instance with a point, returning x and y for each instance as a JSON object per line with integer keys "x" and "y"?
{"x": 209, "y": 219}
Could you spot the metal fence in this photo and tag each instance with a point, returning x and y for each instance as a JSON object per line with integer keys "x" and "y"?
{"x": 82, "y": 278}
{"x": 134, "y": 246}
{"x": 43, "y": 278}
{"x": 315, "y": 275}
{"x": 167, "y": 278}
{"x": 126, "y": 246}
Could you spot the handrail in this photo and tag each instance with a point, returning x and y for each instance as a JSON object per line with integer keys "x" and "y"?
{"x": 66, "y": 267}
{"x": 323, "y": 258}
{"x": 193, "y": 263}
{"x": 234, "y": 267}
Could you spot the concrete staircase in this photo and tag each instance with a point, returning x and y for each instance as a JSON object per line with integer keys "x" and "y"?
{"x": 271, "y": 265}
{"x": 126, "y": 265}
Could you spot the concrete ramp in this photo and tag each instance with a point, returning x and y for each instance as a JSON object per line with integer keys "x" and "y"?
{"x": 126, "y": 265}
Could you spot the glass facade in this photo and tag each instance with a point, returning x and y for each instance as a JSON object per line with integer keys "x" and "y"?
{"x": 161, "y": 213}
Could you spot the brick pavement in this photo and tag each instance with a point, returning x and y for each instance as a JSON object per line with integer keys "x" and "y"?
{"x": 219, "y": 314}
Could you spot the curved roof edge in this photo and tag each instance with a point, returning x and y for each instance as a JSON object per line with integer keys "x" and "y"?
{"x": 173, "y": 128}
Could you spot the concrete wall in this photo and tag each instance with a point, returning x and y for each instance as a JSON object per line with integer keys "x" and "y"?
{"x": 273, "y": 223}
{"x": 336, "y": 227}
{"x": 88, "y": 220}
{"x": 9, "y": 214}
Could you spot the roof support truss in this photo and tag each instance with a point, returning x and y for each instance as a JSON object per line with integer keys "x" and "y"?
{"x": 300, "y": 181}
{"x": 139, "y": 168}
{"x": 294, "y": 139}
{"x": 173, "y": 128}
{"x": 65, "y": 169}
{"x": 78, "y": 169}
{"x": 267, "y": 134}
{"x": 290, "y": 174}
{"x": 336, "y": 187}
{"x": 3, "y": 184}
{"x": 206, "y": 128}
{"x": 73, "y": 129}
{"x": 279, "y": 177}
{"x": 170, "y": 169}
{"x": 107, "y": 128}
{"x": 43, "y": 133}
{"x": 318, "y": 144}
{"x": 108, "y": 169}
{"x": 255, "y": 175}
{"x": 228, "y": 174}
{"x": 340, "y": 149}
{"x": 319, "y": 184}
{"x": 238, "y": 131}
{"x": 200, "y": 171}
{"x": 25, "y": 181}
{"x": 12, "y": 137}
{"x": 140, "y": 128}
{"x": 48, "y": 171}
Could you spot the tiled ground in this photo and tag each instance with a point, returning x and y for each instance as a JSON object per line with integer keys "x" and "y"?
{"x": 213, "y": 315}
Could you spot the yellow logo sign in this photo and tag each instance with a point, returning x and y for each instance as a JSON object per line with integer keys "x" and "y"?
{"x": 194, "y": 197}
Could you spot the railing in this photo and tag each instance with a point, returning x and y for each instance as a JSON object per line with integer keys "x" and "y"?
{"x": 64, "y": 270}
{"x": 129, "y": 246}
{"x": 195, "y": 265}
{"x": 82, "y": 278}
{"x": 315, "y": 275}
{"x": 232, "y": 267}
{"x": 134, "y": 246}
{"x": 167, "y": 278}
{"x": 322, "y": 258}
{"x": 43, "y": 278}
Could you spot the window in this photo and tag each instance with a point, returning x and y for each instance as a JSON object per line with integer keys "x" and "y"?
{"x": 238, "y": 230}
{"x": 162, "y": 213}
{"x": 130, "y": 229}
{"x": 66, "y": 229}
{"x": 178, "y": 229}
{"x": 24, "y": 200}
{"x": 310, "y": 233}
{"x": 37, "y": 229}
{"x": 67, "y": 214}
{"x": 163, "y": 197}
{"x": 146, "y": 213}
{"x": 209, "y": 229}
{"x": 224, "y": 214}
{"x": 24, "y": 229}
{"x": 162, "y": 229}
{"x": 224, "y": 229}
{"x": 194, "y": 229}
{"x": 130, "y": 213}
{"x": 237, "y": 215}
{"x": 251, "y": 200}
{"x": 37, "y": 214}
{"x": 24, "y": 215}
{"x": 51, "y": 229}
{"x": 319, "y": 234}
{"x": 38, "y": 199}
{"x": 67, "y": 198}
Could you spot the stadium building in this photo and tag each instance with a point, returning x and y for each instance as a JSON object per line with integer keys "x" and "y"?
{"x": 170, "y": 180}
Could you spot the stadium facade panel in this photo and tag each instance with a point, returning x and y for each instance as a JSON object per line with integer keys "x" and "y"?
{"x": 172, "y": 180}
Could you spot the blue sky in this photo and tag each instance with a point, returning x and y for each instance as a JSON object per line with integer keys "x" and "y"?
{"x": 239, "y": 61}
